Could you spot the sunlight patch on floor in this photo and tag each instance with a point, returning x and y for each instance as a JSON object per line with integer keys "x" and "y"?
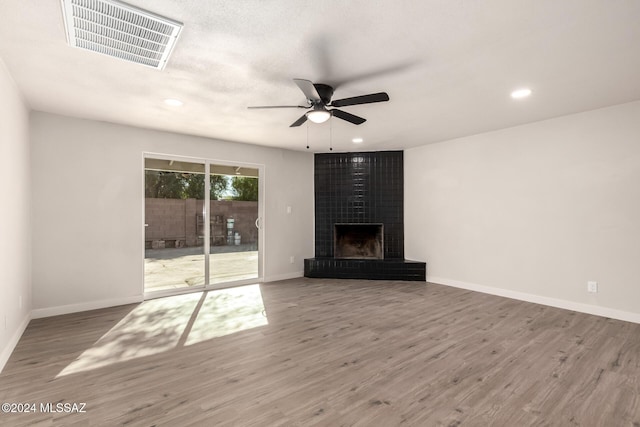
{"x": 227, "y": 311}
{"x": 163, "y": 324}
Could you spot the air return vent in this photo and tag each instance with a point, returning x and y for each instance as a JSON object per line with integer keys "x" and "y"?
{"x": 119, "y": 30}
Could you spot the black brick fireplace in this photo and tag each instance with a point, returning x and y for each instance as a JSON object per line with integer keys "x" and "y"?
{"x": 359, "y": 228}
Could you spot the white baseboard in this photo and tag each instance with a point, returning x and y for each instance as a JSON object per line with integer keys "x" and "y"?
{"x": 11, "y": 345}
{"x": 537, "y": 299}
{"x": 84, "y": 306}
{"x": 285, "y": 276}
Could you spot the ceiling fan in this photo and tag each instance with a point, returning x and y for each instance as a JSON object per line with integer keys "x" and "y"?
{"x": 319, "y": 98}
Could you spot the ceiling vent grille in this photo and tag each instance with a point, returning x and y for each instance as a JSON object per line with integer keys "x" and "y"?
{"x": 116, "y": 29}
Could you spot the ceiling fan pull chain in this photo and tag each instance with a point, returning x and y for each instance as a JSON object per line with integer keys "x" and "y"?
{"x": 307, "y": 135}
{"x": 330, "y": 135}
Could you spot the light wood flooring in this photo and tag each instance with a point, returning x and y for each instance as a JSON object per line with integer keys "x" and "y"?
{"x": 329, "y": 353}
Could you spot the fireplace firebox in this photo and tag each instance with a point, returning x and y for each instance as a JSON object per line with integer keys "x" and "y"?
{"x": 358, "y": 241}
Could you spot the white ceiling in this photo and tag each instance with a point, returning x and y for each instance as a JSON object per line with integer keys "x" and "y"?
{"x": 448, "y": 66}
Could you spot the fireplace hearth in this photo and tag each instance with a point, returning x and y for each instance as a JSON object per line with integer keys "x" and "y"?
{"x": 359, "y": 218}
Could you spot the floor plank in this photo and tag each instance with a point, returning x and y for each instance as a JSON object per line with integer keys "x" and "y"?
{"x": 320, "y": 352}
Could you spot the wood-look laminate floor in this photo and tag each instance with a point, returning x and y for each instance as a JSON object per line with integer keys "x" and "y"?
{"x": 307, "y": 352}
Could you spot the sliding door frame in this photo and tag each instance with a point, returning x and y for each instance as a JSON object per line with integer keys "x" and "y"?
{"x": 206, "y": 218}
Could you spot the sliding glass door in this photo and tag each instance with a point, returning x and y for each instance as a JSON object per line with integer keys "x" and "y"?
{"x": 201, "y": 225}
{"x": 234, "y": 224}
{"x": 174, "y": 247}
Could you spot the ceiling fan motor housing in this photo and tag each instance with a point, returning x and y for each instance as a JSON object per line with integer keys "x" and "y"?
{"x": 325, "y": 92}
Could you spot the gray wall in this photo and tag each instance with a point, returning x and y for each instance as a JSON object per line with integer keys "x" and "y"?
{"x": 534, "y": 211}
{"x": 15, "y": 214}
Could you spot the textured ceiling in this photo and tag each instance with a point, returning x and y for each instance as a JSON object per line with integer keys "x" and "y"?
{"x": 447, "y": 65}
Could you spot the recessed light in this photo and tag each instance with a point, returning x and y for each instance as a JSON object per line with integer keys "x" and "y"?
{"x": 521, "y": 93}
{"x": 173, "y": 102}
{"x": 357, "y": 140}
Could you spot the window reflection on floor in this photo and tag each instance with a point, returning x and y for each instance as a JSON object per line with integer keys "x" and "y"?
{"x": 163, "y": 324}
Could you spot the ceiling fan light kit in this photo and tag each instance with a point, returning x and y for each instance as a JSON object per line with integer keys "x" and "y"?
{"x": 318, "y": 116}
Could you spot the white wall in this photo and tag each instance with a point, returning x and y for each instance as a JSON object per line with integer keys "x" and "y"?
{"x": 534, "y": 212}
{"x": 15, "y": 257}
{"x": 88, "y": 212}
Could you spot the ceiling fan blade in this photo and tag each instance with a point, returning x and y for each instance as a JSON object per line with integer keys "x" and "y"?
{"x": 309, "y": 90}
{"x": 300, "y": 121}
{"x": 279, "y": 106}
{"x": 364, "y": 99}
{"x": 348, "y": 117}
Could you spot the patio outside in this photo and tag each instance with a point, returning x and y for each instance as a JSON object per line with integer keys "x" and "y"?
{"x": 176, "y": 268}
{"x": 176, "y": 226}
